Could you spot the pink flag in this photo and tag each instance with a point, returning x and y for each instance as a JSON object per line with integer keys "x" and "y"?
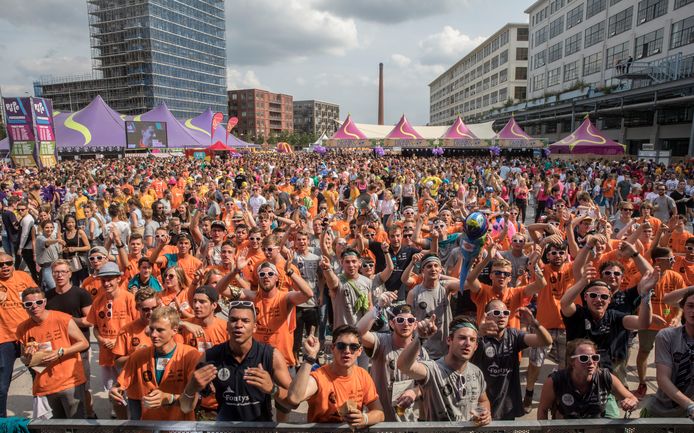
{"x": 230, "y": 125}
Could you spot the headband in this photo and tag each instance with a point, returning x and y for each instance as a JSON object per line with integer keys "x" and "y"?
{"x": 461, "y": 325}
{"x": 431, "y": 259}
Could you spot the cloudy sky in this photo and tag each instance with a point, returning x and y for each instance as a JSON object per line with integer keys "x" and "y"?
{"x": 310, "y": 49}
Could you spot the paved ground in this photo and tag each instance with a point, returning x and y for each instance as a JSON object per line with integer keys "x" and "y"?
{"x": 20, "y": 401}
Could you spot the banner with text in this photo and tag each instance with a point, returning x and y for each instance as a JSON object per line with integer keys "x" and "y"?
{"x": 42, "y": 110}
{"x": 17, "y": 113}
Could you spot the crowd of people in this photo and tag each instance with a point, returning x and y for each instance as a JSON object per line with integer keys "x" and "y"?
{"x": 238, "y": 289}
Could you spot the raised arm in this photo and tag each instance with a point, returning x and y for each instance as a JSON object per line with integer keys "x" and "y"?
{"x": 304, "y": 386}
{"x": 472, "y": 283}
{"x": 568, "y": 308}
{"x": 645, "y": 317}
{"x": 331, "y": 279}
{"x": 388, "y": 271}
{"x": 407, "y": 361}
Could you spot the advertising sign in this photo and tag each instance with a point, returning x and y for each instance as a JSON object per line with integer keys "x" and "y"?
{"x": 42, "y": 110}
{"x": 20, "y": 130}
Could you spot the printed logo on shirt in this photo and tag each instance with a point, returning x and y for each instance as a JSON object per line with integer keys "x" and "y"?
{"x": 567, "y": 399}
{"x": 588, "y": 326}
{"x": 135, "y": 342}
{"x": 332, "y": 399}
{"x": 224, "y": 374}
{"x": 490, "y": 352}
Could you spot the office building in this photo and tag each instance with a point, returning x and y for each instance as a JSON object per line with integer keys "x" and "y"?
{"x": 591, "y": 42}
{"x": 492, "y": 75}
{"x": 145, "y": 52}
{"x": 261, "y": 113}
{"x": 316, "y": 117}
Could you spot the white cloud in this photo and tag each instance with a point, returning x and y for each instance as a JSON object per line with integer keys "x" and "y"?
{"x": 401, "y": 60}
{"x": 447, "y": 46}
{"x": 392, "y": 11}
{"x": 263, "y": 32}
{"x": 243, "y": 80}
{"x": 53, "y": 65}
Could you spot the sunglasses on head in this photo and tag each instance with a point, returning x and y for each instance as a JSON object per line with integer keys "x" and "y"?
{"x": 242, "y": 304}
{"x": 341, "y": 346}
{"x": 400, "y": 320}
{"x": 612, "y": 273}
{"x": 29, "y": 304}
{"x": 502, "y": 274}
{"x": 262, "y": 274}
{"x": 585, "y": 359}
{"x": 602, "y": 296}
{"x": 499, "y": 313}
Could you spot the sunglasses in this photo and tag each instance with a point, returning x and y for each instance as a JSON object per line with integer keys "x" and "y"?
{"x": 96, "y": 258}
{"x": 170, "y": 276}
{"x": 518, "y": 241}
{"x": 242, "y": 304}
{"x": 29, "y": 304}
{"x": 502, "y": 274}
{"x": 499, "y": 313}
{"x": 367, "y": 265}
{"x": 557, "y": 253}
{"x": 439, "y": 227}
{"x": 669, "y": 259}
{"x": 268, "y": 249}
{"x": 266, "y": 274}
{"x": 612, "y": 273}
{"x": 689, "y": 248}
{"x": 109, "y": 310}
{"x": 400, "y": 320}
{"x": 147, "y": 309}
{"x": 602, "y": 296}
{"x": 407, "y": 235}
{"x": 585, "y": 359}
{"x": 7, "y": 263}
{"x": 370, "y": 235}
{"x": 255, "y": 239}
{"x": 353, "y": 347}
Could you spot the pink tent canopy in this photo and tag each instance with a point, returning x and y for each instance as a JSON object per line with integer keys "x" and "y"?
{"x": 587, "y": 139}
{"x": 459, "y": 130}
{"x": 403, "y": 131}
{"x": 512, "y": 131}
{"x": 348, "y": 131}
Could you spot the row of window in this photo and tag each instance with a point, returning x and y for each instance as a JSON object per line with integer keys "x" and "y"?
{"x": 649, "y": 44}
{"x": 647, "y": 10}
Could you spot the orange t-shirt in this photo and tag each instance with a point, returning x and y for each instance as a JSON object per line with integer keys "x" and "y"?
{"x": 132, "y": 337}
{"x": 274, "y": 323}
{"x": 183, "y": 297}
{"x": 513, "y": 297}
{"x": 669, "y": 281}
{"x": 684, "y": 268}
{"x": 52, "y": 334}
{"x": 12, "y": 311}
{"x": 334, "y": 391}
{"x": 548, "y": 300}
{"x": 190, "y": 264}
{"x": 109, "y": 321}
{"x": 139, "y": 378}
{"x": 608, "y": 187}
{"x": 341, "y": 227}
{"x": 678, "y": 240}
{"x": 215, "y": 333}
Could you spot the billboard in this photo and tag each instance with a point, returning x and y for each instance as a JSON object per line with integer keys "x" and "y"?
{"x": 42, "y": 110}
{"x": 145, "y": 135}
{"x": 20, "y": 130}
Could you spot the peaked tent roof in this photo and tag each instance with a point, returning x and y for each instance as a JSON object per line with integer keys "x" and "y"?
{"x": 512, "y": 131}
{"x": 587, "y": 139}
{"x": 348, "y": 131}
{"x": 320, "y": 139}
{"x": 177, "y": 134}
{"x": 404, "y": 131}
{"x": 459, "y": 130}
{"x": 199, "y": 128}
{"x": 95, "y": 126}
{"x": 219, "y": 146}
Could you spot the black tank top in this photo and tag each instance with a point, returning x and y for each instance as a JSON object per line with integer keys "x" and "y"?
{"x": 571, "y": 404}
{"x": 74, "y": 242}
{"x": 237, "y": 400}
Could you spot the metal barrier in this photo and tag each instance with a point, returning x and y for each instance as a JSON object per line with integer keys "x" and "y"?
{"x": 641, "y": 425}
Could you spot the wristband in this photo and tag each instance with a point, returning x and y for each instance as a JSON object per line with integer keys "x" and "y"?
{"x": 290, "y": 272}
{"x": 171, "y": 399}
{"x": 189, "y": 396}
{"x": 690, "y": 410}
{"x": 635, "y": 255}
{"x": 365, "y": 419}
{"x": 275, "y": 390}
{"x": 310, "y": 360}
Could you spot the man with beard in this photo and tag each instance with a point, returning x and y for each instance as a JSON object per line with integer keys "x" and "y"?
{"x": 159, "y": 373}
{"x": 244, "y": 375}
{"x": 274, "y": 308}
{"x": 497, "y": 356}
{"x": 384, "y": 350}
{"x": 339, "y": 391}
{"x": 453, "y": 389}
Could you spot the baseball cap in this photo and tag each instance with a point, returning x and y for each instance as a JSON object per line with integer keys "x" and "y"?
{"x": 109, "y": 269}
{"x": 210, "y": 291}
{"x": 218, "y": 225}
{"x": 98, "y": 250}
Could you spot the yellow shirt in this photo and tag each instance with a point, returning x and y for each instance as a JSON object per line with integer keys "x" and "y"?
{"x": 80, "y": 202}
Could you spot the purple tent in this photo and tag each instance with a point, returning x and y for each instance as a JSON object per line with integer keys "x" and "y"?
{"x": 178, "y": 135}
{"x": 199, "y": 127}
{"x": 587, "y": 139}
{"x": 96, "y": 127}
